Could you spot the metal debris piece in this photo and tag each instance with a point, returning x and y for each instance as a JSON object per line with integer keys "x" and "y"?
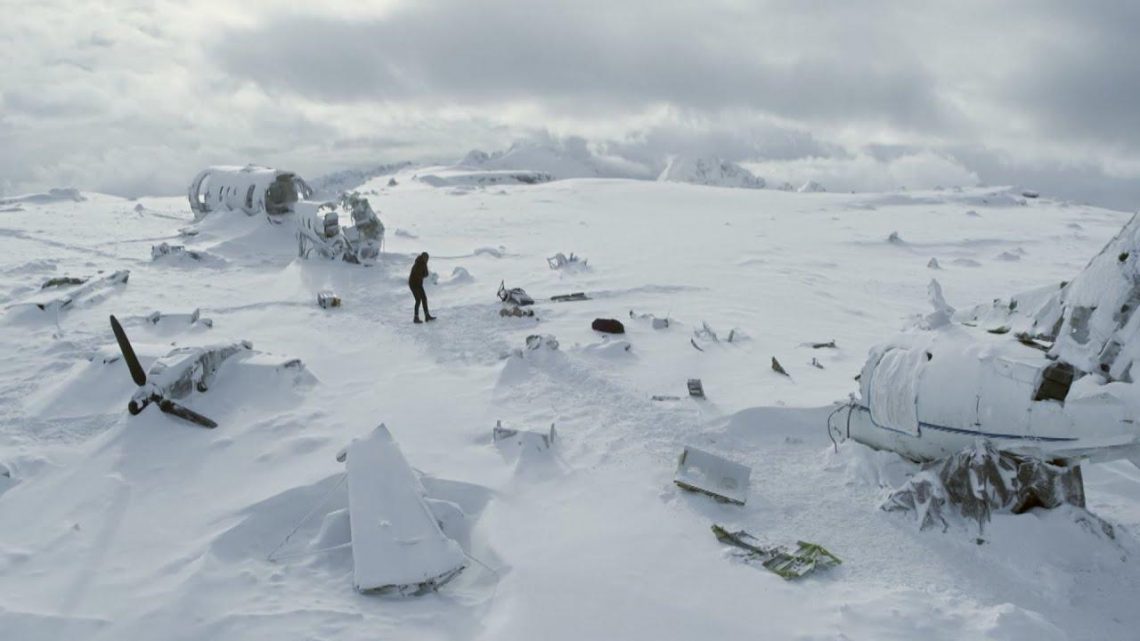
{"x": 696, "y": 388}
{"x": 327, "y": 299}
{"x": 514, "y": 296}
{"x": 716, "y": 476}
{"x": 569, "y": 298}
{"x": 525, "y": 438}
{"x": 778, "y": 368}
{"x": 63, "y": 281}
{"x": 805, "y": 559}
{"x": 980, "y": 480}
{"x": 516, "y": 311}
{"x": 538, "y": 341}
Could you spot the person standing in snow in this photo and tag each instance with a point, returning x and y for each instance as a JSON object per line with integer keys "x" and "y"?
{"x": 416, "y": 284}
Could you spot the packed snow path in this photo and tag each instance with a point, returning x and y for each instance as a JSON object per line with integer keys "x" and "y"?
{"x": 132, "y": 528}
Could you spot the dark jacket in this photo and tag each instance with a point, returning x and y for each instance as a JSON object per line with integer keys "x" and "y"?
{"x": 419, "y": 272}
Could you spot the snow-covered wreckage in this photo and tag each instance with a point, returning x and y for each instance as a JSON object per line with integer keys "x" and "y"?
{"x": 1045, "y": 377}
{"x": 1046, "y": 374}
{"x": 281, "y": 195}
{"x": 251, "y": 189}
{"x": 398, "y": 546}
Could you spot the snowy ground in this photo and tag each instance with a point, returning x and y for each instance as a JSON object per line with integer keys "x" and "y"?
{"x": 146, "y": 527}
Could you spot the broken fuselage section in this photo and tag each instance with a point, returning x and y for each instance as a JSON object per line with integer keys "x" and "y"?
{"x": 1046, "y": 374}
{"x": 322, "y": 228}
{"x": 250, "y": 189}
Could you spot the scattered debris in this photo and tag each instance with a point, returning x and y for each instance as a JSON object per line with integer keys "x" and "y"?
{"x": 516, "y": 311}
{"x": 608, "y": 326}
{"x": 524, "y": 438}
{"x": 696, "y": 388}
{"x": 63, "y": 281}
{"x": 403, "y": 233}
{"x": 319, "y": 230}
{"x": 540, "y": 341}
{"x": 980, "y": 480}
{"x": 392, "y": 182}
{"x": 816, "y": 364}
{"x": 327, "y": 299}
{"x": 514, "y": 296}
{"x": 569, "y": 298}
{"x": 895, "y": 239}
{"x": 656, "y": 321}
{"x": 88, "y": 291}
{"x": 664, "y": 397}
{"x": 165, "y": 249}
{"x": 693, "y": 342}
{"x": 705, "y": 332}
{"x": 193, "y": 318}
{"x": 805, "y": 559}
{"x": 1030, "y": 193}
{"x": 562, "y": 261}
{"x": 1003, "y": 329}
{"x": 397, "y": 544}
{"x": 828, "y": 345}
{"x": 778, "y": 368}
{"x": 933, "y": 264}
{"x": 716, "y": 476}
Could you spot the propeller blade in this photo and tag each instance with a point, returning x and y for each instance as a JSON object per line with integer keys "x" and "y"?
{"x": 137, "y": 372}
{"x": 185, "y": 413}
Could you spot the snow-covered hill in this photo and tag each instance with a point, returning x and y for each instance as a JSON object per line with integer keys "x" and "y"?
{"x": 561, "y": 159}
{"x": 146, "y": 527}
{"x": 714, "y": 172}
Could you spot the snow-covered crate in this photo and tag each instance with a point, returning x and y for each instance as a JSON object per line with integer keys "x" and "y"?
{"x": 701, "y": 471}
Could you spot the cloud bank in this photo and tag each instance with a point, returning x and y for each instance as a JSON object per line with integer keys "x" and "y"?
{"x": 132, "y": 97}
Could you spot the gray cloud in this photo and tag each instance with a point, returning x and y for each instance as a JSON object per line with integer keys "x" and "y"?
{"x": 133, "y": 96}
{"x": 575, "y": 56}
{"x": 1085, "y": 84}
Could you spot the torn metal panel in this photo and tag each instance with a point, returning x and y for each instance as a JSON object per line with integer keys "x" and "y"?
{"x": 524, "y": 438}
{"x": 788, "y": 564}
{"x": 981, "y": 480}
{"x": 720, "y": 478}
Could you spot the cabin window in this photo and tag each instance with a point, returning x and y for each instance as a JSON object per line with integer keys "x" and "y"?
{"x": 1056, "y": 379}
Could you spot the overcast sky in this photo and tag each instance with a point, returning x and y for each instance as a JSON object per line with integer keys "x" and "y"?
{"x": 133, "y": 97}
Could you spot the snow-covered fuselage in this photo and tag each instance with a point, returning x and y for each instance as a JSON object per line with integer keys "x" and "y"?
{"x": 928, "y": 394}
{"x": 1047, "y": 373}
{"x": 250, "y": 189}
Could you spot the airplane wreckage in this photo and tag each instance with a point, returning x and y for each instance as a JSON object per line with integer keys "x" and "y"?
{"x": 184, "y": 370}
{"x": 281, "y": 195}
{"x": 1003, "y": 402}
